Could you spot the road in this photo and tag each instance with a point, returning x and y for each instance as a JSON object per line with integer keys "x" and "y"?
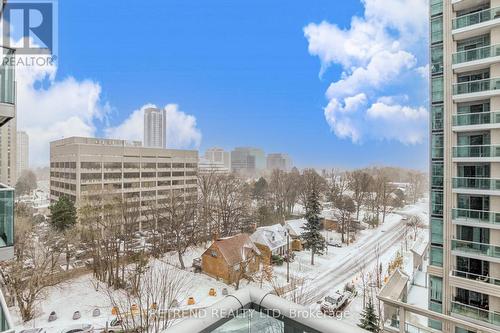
{"x": 347, "y": 268}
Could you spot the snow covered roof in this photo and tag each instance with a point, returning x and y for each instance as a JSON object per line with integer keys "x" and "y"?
{"x": 420, "y": 246}
{"x": 295, "y": 227}
{"x": 235, "y": 249}
{"x": 395, "y": 286}
{"x": 273, "y": 236}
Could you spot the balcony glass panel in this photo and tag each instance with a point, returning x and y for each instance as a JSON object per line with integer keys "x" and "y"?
{"x": 475, "y": 313}
{"x": 477, "y": 183}
{"x": 6, "y": 217}
{"x": 475, "y": 18}
{"x": 475, "y": 277}
{"x": 478, "y": 118}
{"x": 436, "y": 231}
{"x": 477, "y": 216}
{"x": 476, "y": 248}
{"x": 476, "y": 54}
{"x": 476, "y": 86}
{"x": 477, "y": 151}
{"x": 7, "y": 83}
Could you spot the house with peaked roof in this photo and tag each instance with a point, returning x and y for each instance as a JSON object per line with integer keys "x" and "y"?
{"x": 295, "y": 229}
{"x": 230, "y": 258}
{"x": 270, "y": 240}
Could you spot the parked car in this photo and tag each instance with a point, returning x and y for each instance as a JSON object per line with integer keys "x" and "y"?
{"x": 334, "y": 244}
{"x": 333, "y": 303}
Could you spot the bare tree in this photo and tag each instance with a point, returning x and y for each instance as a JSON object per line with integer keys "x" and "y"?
{"x": 178, "y": 219}
{"x": 416, "y": 185}
{"x": 31, "y": 273}
{"x": 359, "y": 184}
{"x": 345, "y": 208}
{"x": 148, "y": 308}
{"x": 415, "y": 223}
{"x": 231, "y": 205}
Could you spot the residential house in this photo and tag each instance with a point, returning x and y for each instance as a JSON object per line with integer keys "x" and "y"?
{"x": 230, "y": 258}
{"x": 295, "y": 229}
{"x": 270, "y": 240}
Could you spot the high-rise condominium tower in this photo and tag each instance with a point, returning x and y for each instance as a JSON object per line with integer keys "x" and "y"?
{"x": 22, "y": 152}
{"x": 464, "y": 270}
{"x": 155, "y": 123}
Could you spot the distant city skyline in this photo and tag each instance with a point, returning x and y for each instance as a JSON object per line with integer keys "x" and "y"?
{"x": 282, "y": 87}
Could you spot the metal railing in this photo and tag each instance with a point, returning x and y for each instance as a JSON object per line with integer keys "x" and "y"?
{"x": 477, "y": 151}
{"x": 475, "y": 313}
{"x": 476, "y": 54}
{"x": 476, "y": 86}
{"x": 477, "y": 183}
{"x": 475, "y": 277}
{"x": 475, "y": 18}
{"x": 475, "y": 248}
{"x": 479, "y": 216}
{"x": 476, "y": 118}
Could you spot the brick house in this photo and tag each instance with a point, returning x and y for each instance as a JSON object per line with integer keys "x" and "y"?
{"x": 230, "y": 258}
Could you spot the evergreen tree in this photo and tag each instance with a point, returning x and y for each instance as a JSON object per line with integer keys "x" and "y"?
{"x": 63, "y": 214}
{"x": 312, "y": 236}
{"x": 369, "y": 319}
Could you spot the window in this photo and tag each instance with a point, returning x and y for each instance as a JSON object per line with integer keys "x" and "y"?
{"x": 436, "y": 231}
{"x": 437, "y": 89}
{"x": 213, "y": 253}
{"x": 437, "y": 29}
{"x": 436, "y": 256}
{"x": 6, "y": 218}
{"x": 437, "y": 59}
{"x": 437, "y": 146}
{"x": 437, "y": 117}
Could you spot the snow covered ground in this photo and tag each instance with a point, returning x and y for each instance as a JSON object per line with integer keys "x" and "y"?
{"x": 329, "y": 273}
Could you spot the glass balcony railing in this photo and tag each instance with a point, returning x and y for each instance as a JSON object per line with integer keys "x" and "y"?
{"x": 476, "y": 118}
{"x": 475, "y": 18}
{"x": 476, "y": 54}
{"x": 7, "y": 83}
{"x": 477, "y": 151}
{"x": 476, "y": 86}
{"x": 476, "y": 183}
{"x": 487, "y": 250}
{"x": 475, "y": 277}
{"x": 475, "y": 313}
{"x": 476, "y": 216}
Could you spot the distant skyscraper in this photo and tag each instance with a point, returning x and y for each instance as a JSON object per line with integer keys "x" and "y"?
{"x": 155, "y": 124}
{"x": 279, "y": 161}
{"x": 22, "y": 152}
{"x": 218, "y": 155}
{"x": 248, "y": 160}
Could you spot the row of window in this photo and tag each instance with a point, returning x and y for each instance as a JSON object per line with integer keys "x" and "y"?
{"x": 66, "y": 186}
{"x": 126, "y": 165}
{"x": 67, "y": 165}
{"x": 65, "y": 175}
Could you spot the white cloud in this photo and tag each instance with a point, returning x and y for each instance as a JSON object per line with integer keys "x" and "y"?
{"x": 48, "y": 109}
{"x": 182, "y": 131}
{"x": 397, "y": 122}
{"x": 376, "y": 53}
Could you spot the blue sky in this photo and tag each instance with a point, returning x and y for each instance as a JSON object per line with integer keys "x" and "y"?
{"x": 241, "y": 73}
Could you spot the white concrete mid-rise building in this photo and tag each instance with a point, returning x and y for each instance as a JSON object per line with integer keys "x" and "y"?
{"x": 84, "y": 167}
{"x": 22, "y": 152}
{"x": 155, "y": 126}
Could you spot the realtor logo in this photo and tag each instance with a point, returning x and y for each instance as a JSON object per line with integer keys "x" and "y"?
{"x": 30, "y": 26}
